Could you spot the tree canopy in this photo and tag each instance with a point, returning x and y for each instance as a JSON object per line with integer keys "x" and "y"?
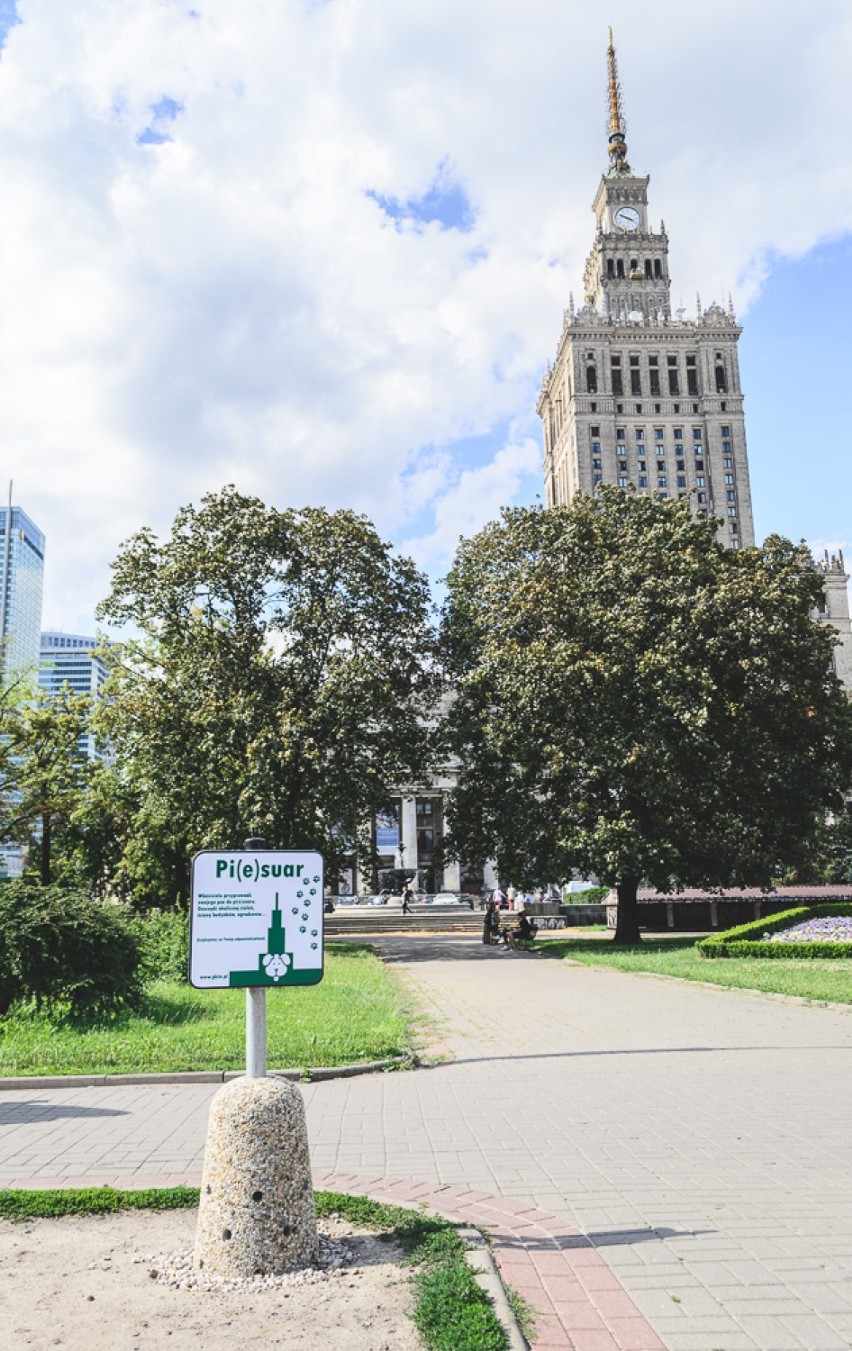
{"x": 44, "y": 771}
{"x": 278, "y": 685}
{"x": 638, "y": 702}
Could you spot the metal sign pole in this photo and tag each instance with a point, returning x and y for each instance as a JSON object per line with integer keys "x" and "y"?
{"x": 255, "y": 1033}
{"x": 255, "y": 1010}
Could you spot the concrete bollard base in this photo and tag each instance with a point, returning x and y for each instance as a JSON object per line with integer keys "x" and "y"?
{"x": 256, "y": 1216}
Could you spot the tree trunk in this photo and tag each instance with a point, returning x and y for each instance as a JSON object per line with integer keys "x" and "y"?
{"x": 46, "y": 822}
{"x": 627, "y": 914}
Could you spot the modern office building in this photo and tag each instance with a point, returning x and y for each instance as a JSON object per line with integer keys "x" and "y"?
{"x": 637, "y": 395}
{"x": 71, "y": 659}
{"x": 22, "y": 554}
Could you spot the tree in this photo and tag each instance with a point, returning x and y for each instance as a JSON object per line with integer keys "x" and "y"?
{"x": 278, "y": 687}
{"x": 636, "y": 701}
{"x": 15, "y": 691}
{"x": 46, "y": 772}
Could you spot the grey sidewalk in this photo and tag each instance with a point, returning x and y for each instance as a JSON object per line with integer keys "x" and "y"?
{"x": 698, "y": 1137}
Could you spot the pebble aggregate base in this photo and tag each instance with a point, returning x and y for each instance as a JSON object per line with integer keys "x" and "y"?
{"x": 579, "y": 1303}
{"x": 256, "y": 1214}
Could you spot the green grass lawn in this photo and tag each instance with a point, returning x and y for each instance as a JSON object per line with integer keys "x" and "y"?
{"x": 355, "y": 1013}
{"x": 677, "y": 957}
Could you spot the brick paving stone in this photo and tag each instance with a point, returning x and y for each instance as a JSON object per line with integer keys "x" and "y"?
{"x": 631, "y": 1334}
{"x": 732, "y": 1340}
{"x": 814, "y": 1333}
{"x": 593, "y": 1340}
{"x": 580, "y": 1315}
{"x": 559, "y": 1288}
{"x": 549, "y": 1332}
{"x": 599, "y": 1278}
{"x": 613, "y": 1304}
{"x": 770, "y": 1333}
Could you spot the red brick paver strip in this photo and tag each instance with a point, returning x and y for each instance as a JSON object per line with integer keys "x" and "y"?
{"x": 579, "y": 1303}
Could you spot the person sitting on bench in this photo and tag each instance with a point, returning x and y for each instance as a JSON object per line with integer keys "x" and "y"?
{"x": 523, "y": 929}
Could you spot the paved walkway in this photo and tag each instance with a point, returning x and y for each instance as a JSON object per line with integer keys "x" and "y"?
{"x": 694, "y": 1144}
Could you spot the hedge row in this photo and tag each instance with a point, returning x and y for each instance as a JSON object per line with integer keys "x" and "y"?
{"x": 744, "y": 940}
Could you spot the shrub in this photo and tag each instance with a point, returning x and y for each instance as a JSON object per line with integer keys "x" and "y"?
{"x": 163, "y": 937}
{"x": 591, "y": 896}
{"x": 62, "y": 949}
{"x": 745, "y": 939}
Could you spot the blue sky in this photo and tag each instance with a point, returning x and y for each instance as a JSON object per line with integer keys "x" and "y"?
{"x": 323, "y": 250}
{"x": 795, "y": 362}
{"x": 8, "y": 17}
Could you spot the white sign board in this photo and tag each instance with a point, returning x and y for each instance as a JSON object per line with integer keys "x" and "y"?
{"x": 256, "y": 919}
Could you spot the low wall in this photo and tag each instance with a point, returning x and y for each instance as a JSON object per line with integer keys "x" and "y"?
{"x": 705, "y": 914}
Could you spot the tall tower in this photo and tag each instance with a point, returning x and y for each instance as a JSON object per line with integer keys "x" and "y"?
{"x": 21, "y": 576}
{"x": 634, "y": 395}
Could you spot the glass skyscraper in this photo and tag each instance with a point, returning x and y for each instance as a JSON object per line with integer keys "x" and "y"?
{"x": 70, "y": 659}
{"x": 22, "y": 562}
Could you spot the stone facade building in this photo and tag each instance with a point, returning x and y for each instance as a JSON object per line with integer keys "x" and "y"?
{"x": 637, "y": 396}
{"x": 835, "y": 611}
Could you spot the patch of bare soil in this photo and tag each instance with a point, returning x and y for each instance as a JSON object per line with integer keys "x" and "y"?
{"x": 99, "y": 1283}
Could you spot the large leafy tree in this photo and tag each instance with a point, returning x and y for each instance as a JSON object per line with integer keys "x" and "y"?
{"x": 278, "y": 684}
{"x": 636, "y": 701}
{"x": 15, "y": 692}
{"x": 46, "y": 774}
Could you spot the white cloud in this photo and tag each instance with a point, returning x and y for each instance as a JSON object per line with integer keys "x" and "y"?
{"x": 232, "y": 304}
{"x": 473, "y": 498}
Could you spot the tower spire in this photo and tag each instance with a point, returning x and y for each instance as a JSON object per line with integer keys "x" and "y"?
{"x": 617, "y": 143}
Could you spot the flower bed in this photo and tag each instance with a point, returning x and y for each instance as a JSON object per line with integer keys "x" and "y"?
{"x": 813, "y": 931}
{"x": 821, "y": 929}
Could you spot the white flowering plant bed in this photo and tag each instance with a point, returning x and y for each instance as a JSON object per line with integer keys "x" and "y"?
{"x": 814, "y": 931}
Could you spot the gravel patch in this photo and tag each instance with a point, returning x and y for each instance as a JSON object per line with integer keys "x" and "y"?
{"x": 176, "y": 1269}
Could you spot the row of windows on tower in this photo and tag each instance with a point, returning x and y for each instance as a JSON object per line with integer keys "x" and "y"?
{"x": 660, "y": 434}
{"x": 680, "y": 465}
{"x": 658, "y": 449}
{"x": 664, "y": 477}
{"x": 615, "y": 269}
{"x": 680, "y": 468}
{"x": 654, "y": 375}
{"x": 642, "y": 480}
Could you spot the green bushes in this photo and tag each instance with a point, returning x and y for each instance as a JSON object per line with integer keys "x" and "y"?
{"x": 163, "y": 938}
{"x": 745, "y": 939}
{"x": 63, "y": 950}
{"x": 591, "y": 896}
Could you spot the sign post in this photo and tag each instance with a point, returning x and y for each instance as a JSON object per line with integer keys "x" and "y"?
{"x": 256, "y": 921}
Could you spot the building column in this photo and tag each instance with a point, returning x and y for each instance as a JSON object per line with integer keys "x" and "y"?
{"x": 452, "y": 876}
{"x": 408, "y": 832}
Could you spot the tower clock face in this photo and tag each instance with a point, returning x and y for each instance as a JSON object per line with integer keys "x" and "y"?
{"x": 627, "y": 218}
